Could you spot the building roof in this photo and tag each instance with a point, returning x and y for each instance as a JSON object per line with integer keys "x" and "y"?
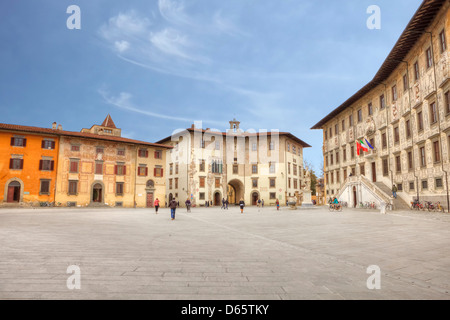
{"x": 108, "y": 122}
{"x": 86, "y": 135}
{"x": 247, "y": 134}
{"x": 414, "y": 30}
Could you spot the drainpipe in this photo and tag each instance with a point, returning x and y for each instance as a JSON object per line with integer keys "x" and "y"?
{"x": 438, "y": 119}
{"x": 135, "y": 177}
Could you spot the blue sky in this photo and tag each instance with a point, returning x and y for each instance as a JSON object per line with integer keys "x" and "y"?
{"x": 157, "y": 66}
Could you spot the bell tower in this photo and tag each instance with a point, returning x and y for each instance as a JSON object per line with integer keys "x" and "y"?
{"x": 234, "y": 125}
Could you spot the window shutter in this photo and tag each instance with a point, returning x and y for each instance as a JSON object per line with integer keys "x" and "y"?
{"x": 124, "y": 170}
{"x": 21, "y": 163}
{"x": 43, "y": 144}
{"x": 146, "y": 153}
{"x": 146, "y": 171}
{"x": 162, "y": 172}
{"x": 156, "y": 155}
{"x": 11, "y": 161}
{"x": 52, "y": 165}
{"x": 24, "y": 142}
{"x": 40, "y": 164}
{"x": 154, "y": 172}
{"x": 53, "y": 144}
{"x": 115, "y": 169}
{"x": 12, "y": 141}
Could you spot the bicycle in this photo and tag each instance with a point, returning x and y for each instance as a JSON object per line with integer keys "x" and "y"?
{"x": 335, "y": 207}
{"x": 438, "y": 207}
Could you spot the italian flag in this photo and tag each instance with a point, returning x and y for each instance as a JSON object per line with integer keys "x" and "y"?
{"x": 361, "y": 146}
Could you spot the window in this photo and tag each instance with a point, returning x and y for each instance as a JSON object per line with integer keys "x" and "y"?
{"x": 447, "y": 101}
{"x": 353, "y": 171}
{"x": 372, "y": 142}
{"x": 423, "y": 161}
{"x": 158, "y": 172}
{"x": 424, "y": 184}
{"x": 326, "y": 134}
{"x": 289, "y": 168}
{"x": 73, "y": 187}
{"x": 143, "y": 153}
{"x": 343, "y": 125}
{"x": 254, "y": 183}
{"x": 396, "y": 135}
{"x": 120, "y": 152}
{"x": 75, "y": 148}
{"x": 326, "y": 161}
{"x": 294, "y": 169}
{"x": 272, "y": 182}
{"x": 438, "y": 182}
{"x": 73, "y": 166}
{"x": 336, "y": 129}
{"x": 295, "y": 184}
{"x": 362, "y": 169}
{"x": 419, "y": 121}
{"x": 294, "y": 149}
{"x": 272, "y": 145}
{"x": 405, "y": 82}
{"x": 411, "y": 186}
{"x": 99, "y": 150}
{"x": 158, "y": 154}
{"x": 326, "y": 178}
{"x": 176, "y": 168}
{"x": 235, "y": 169}
{"x": 202, "y": 182}
{"x": 44, "y": 187}
{"x": 202, "y": 165}
{"x": 429, "y": 58}
{"x": 271, "y": 167}
{"x": 119, "y": 188}
{"x": 385, "y": 167}
{"x": 142, "y": 171}
{"x": 254, "y": 168}
{"x": 170, "y": 169}
{"x": 350, "y": 120}
{"x": 332, "y": 177}
{"x": 383, "y": 140}
{"x": 436, "y": 151}
{"x": 359, "y": 115}
{"x": 273, "y": 196}
{"x": 176, "y": 183}
{"x": 254, "y": 146}
{"x": 120, "y": 169}
{"x": 382, "y": 102}
{"x": 352, "y": 152}
{"x": 442, "y": 41}
{"x": 289, "y": 182}
{"x": 170, "y": 183}
{"x": 201, "y": 196}
{"x": 338, "y": 178}
{"x": 433, "y": 113}
{"x": 410, "y": 160}
{"x": 408, "y": 128}
{"x": 18, "y": 142}
{"x": 216, "y": 166}
{"x": 98, "y": 167}
{"x": 394, "y": 93}
{"x": 331, "y": 159}
{"x": 46, "y": 165}
{"x": 416, "y": 71}
{"x": 150, "y": 184}
{"x": 398, "y": 164}
{"x": 345, "y": 174}
{"x": 289, "y": 146}
{"x": 344, "y": 154}
{"x": 370, "y": 109}
{"x": 48, "y": 144}
{"x": 217, "y": 183}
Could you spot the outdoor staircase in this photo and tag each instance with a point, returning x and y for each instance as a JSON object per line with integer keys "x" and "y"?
{"x": 399, "y": 203}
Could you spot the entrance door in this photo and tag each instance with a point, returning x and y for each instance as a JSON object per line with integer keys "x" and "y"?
{"x": 217, "y": 200}
{"x": 149, "y": 199}
{"x": 355, "y": 204}
{"x": 254, "y": 198}
{"x": 13, "y": 192}
{"x": 374, "y": 172}
{"x": 97, "y": 193}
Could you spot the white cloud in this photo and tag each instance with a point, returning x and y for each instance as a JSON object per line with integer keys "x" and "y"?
{"x": 122, "y": 45}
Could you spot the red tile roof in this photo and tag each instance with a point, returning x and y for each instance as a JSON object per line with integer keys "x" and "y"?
{"x": 48, "y": 131}
{"x": 108, "y": 122}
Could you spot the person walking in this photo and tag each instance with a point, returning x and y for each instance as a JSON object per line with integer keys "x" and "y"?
{"x": 278, "y": 204}
{"x": 262, "y": 203}
{"x": 156, "y": 204}
{"x": 242, "y": 205}
{"x": 223, "y": 204}
{"x": 226, "y": 204}
{"x": 188, "y": 205}
{"x": 173, "y": 206}
{"x": 394, "y": 191}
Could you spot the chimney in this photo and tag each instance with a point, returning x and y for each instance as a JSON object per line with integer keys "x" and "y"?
{"x": 54, "y": 125}
{"x": 59, "y": 127}
{"x": 193, "y": 126}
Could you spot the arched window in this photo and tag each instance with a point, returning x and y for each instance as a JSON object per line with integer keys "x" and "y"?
{"x": 150, "y": 184}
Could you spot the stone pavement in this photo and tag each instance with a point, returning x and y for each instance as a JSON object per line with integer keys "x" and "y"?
{"x": 215, "y": 254}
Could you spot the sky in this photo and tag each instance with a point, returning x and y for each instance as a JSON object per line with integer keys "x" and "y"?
{"x": 157, "y": 66}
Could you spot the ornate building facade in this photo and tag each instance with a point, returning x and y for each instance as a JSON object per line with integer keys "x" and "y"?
{"x": 404, "y": 114}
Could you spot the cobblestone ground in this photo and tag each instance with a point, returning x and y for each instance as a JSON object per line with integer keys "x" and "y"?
{"x": 215, "y": 254}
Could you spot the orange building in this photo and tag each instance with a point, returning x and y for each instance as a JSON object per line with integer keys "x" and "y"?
{"x": 28, "y": 164}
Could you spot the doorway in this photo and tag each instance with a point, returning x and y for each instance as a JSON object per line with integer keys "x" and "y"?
{"x": 13, "y": 192}
{"x": 355, "y": 203}
{"x": 217, "y": 200}
{"x": 374, "y": 172}
{"x": 97, "y": 194}
{"x": 149, "y": 199}
{"x": 255, "y": 198}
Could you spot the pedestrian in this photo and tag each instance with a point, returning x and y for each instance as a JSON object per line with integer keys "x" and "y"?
{"x": 394, "y": 191}
{"x": 226, "y": 204}
{"x": 156, "y": 204}
{"x": 223, "y": 204}
{"x": 188, "y": 205}
{"x": 278, "y": 204}
{"x": 242, "y": 205}
{"x": 173, "y": 206}
{"x": 262, "y": 203}
{"x": 259, "y": 203}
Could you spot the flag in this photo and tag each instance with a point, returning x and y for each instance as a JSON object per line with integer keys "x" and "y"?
{"x": 360, "y": 146}
{"x": 370, "y": 146}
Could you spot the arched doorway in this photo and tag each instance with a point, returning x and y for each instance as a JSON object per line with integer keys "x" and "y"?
{"x": 355, "y": 202}
{"x": 255, "y": 197}
{"x": 150, "y": 188}
{"x": 13, "y": 194}
{"x": 97, "y": 193}
{"x": 217, "y": 199}
{"x": 235, "y": 191}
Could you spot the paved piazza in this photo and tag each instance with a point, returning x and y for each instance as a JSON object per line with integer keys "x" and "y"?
{"x": 215, "y": 254}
